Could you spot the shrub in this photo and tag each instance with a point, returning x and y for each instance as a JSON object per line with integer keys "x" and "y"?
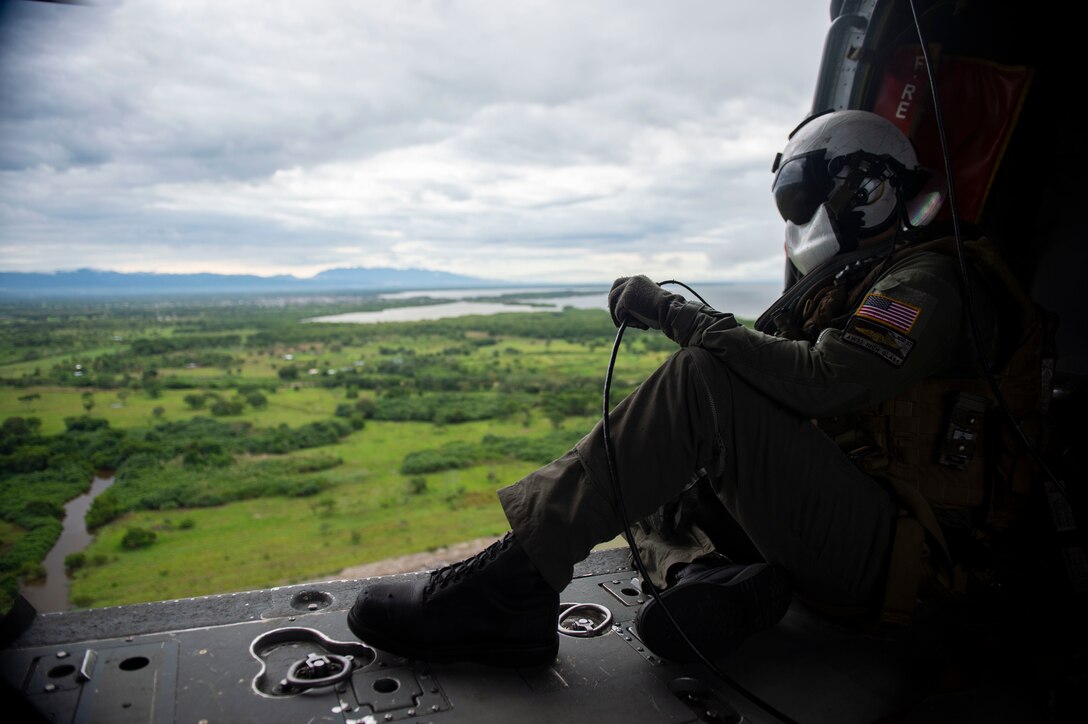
{"x": 138, "y": 538}
{"x": 224, "y": 408}
{"x": 85, "y": 424}
{"x": 256, "y": 400}
{"x": 448, "y": 457}
{"x": 32, "y": 571}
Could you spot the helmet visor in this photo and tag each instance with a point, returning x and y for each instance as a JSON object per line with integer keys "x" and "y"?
{"x": 801, "y": 185}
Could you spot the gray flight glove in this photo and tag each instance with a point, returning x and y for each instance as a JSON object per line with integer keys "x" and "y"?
{"x": 639, "y": 301}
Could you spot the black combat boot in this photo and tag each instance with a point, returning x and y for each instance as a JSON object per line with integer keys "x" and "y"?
{"x": 718, "y": 604}
{"x": 493, "y": 608}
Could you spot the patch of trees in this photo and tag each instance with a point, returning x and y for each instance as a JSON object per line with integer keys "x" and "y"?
{"x": 539, "y": 449}
{"x": 356, "y": 413}
{"x": 88, "y": 441}
{"x": 283, "y": 439}
{"x": 174, "y": 439}
{"x": 37, "y": 476}
{"x": 448, "y": 407}
{"x": 149, "y": 484}
{"x": 129, "y": 362}
{"x": 138, "y": 538}
{"x": 193, "y": 463}
{"x": 225, "y": 407}
{"x": 577, "y": 325}
{"x": 147, "y": 346}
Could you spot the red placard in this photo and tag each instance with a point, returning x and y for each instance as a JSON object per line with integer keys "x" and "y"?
{"x": 980, "y": 104}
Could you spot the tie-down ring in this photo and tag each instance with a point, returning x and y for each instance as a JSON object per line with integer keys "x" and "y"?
{"x": 319, "y": 670}
{"x": 583, "y": 619}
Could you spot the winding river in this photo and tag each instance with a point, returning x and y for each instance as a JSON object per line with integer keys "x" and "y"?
{"x": 52, "y": 593}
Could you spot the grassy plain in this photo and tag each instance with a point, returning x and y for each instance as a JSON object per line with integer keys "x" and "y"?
{"x": 367, "y": 508}
{"x": 286, "y": 406}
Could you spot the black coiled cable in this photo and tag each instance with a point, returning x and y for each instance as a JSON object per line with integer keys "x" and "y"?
{"x": 639, "y": 565}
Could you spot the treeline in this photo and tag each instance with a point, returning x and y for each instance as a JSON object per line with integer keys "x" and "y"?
{"x": 448, "y": 407}
{"x": 185, "y": 342}
{"x": 147, "y": 484}
{"x": 194, "y": 463}
{"x": 39, "y": 330}
{"x": 540, "y": 449}
{"x": 576, "y": 325}
{"x": 406, "y": 370}
{"x": 201, "y": 338}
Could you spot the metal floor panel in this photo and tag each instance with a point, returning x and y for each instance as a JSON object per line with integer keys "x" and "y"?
{"x": 240, "y": 658}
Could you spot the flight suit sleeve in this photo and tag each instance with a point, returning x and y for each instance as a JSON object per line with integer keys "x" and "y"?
{"x": 907, "y": 327}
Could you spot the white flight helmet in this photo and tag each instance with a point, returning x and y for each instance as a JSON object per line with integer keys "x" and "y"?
{"x": 841, "y": 179}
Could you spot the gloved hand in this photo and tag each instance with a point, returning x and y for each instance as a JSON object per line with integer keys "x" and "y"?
{"x": 639, "y": 301}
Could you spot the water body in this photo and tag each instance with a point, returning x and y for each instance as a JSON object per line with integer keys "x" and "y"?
{"x": 744, "y": 299}
{"x": 52, "y": 593}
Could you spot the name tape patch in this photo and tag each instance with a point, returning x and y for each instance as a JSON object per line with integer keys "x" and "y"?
{"x": 886, "y": 343}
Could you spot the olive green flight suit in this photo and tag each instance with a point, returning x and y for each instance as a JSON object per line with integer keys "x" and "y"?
{"x": 739, "y": 406}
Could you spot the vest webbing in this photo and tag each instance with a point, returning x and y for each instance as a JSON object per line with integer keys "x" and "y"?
{"x": 898, "y": 441}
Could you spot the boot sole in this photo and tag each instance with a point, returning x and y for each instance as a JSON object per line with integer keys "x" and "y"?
{"x": 716, "y": 617}
{"x": 498, "y": 654}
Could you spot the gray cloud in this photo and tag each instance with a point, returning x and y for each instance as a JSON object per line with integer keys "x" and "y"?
{"x": 530, "y": 140}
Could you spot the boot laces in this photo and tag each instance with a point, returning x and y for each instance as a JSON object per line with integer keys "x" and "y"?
{"x": 451, "y": 574}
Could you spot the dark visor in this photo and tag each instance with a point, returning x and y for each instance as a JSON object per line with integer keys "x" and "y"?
{"x": 801, "y": 185}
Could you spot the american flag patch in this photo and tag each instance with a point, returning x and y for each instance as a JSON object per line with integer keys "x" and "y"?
{"x": 889, "y": 312}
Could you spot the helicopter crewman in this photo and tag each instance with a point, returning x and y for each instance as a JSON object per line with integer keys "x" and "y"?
{"x": 851, "y": 435}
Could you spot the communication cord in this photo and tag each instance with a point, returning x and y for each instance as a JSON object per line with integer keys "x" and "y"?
{"x": 639, "y": 565}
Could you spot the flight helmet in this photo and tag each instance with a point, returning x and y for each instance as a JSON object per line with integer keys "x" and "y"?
{"x": 841, "y": 179}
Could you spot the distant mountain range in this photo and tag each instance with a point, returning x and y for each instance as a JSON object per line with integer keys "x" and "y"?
{"x": 97, "y": 283}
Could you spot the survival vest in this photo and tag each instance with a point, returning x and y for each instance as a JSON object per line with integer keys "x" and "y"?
{"x": 945, "y": 442}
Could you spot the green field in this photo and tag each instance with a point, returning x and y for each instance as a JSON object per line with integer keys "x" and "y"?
{"x": 270, "y": 541}
{"x": 199, "y": 410}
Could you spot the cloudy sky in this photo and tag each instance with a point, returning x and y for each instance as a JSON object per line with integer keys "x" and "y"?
{"x": 551, "y": 140}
